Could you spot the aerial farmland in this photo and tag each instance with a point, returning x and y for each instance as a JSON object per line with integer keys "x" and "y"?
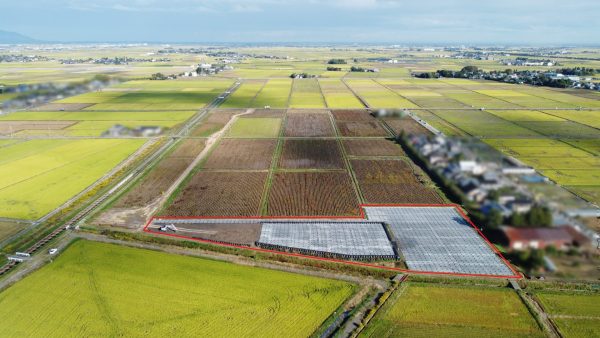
{"x": 298, "y": 191}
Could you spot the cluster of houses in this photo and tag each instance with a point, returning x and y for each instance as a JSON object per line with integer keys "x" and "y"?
{"x": 498, "y": 184}
{"x": 206, "y": 69}
{"x": 111, "y": 60}
{"x": 40, "y": 93}
{"x": 119, "y": 130}
{"x": 521, "y": 61}
{"x": 22, "y": 58}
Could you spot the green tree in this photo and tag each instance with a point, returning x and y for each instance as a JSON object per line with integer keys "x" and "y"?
{"x": 517, "y": 220}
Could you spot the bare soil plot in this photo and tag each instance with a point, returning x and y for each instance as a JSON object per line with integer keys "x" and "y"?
{"x": 242, "y": 154}
{"x": 391, "y": 181}
{"x": 361, "y": 129}
{"x": 372, "y": 147}
{"x": 312, "y": 194}
{"x": 162, "y": 176}
{"x": 9, "y": 127}
{"x": 352, "y": 115}
{"x": 407, "y": 126}
{"x": 311, "y": 154}
{"x": 308, "y": 125}
{"x": 307, "y": 111}
{"x": 155, "y": 183}
{"x": 62, "y": 106}
{"x": 239, "y": 233}
{"x": 214, "y": 122}
{"x": 220, "y": 194}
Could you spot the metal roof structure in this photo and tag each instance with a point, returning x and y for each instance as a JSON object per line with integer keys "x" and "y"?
{"x": 439, "y": 239}
{"x": 344, "y": 238}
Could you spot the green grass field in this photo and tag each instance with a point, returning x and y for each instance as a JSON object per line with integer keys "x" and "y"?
{"x": 244, "y": 95}
{"x": 587, "y": 177}
{"x": 260, "y": 127}
{"x": 420, "y": 310}
{"x": 94, "y": 123}
{"x": 306, "y": 93}
{"x": 97, "y": 289}
{"x": 337, "y": 94}
{"x": 377, "y": 95}
{"x": 577, "y": 315}
{"x": 154, "y": 95}
{"x": 39, "y": 175}
{"x": 274, "y": 94}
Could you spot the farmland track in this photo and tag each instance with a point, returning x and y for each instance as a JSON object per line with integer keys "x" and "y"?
{"x": 210, "y": 142}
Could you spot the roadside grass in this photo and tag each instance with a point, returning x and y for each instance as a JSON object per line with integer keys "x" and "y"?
{"x": 588, "y": 192}
{"x": 8, "y": 229}
{"x": 113, "y": 290}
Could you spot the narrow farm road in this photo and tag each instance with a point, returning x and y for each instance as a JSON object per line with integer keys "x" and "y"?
{"x": 210, "y": 142}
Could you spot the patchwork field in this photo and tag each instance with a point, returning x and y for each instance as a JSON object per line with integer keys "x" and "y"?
{"x": 244, "y": 95}
{"x": 39, "y": 175}
{"x": 312, "y": 194}
{"x": 214, "y": 122}
{"x": 159, "y": 294}
{"x": 311, "y": 175}
{"x": 274, "y": 94}
{"x": 241, "y": 154}
{"x": 308, "y": 125}
{"x": 391, "y": 181}
{"x": 219, "y": 194}
{"x": 306, "y": 93}
{"x": 311, "y": 154}
{"x": 160, "y": 178}
{"x": 338, "y": 95}
{"x": 153, "y": 95}
{"x": 372, "y": 147}
{"x": 407, "y": 126}
{"x": 258, "y": 127}
{"x": 83, "y": 123}
{"x": 377, "y": 95}
{"x": 420, "y": 310}
{"x": 576, "y": 315}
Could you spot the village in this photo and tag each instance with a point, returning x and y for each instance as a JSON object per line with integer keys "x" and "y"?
{"x": 498, "y": 189}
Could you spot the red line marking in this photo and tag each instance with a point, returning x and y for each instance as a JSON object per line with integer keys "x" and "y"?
{"x": 333, "y": 260}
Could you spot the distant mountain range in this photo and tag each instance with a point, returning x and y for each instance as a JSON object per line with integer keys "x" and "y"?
{"x": 7, "y": 37}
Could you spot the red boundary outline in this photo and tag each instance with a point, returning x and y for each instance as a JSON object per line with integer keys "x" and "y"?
{"x": 356, "y": 263}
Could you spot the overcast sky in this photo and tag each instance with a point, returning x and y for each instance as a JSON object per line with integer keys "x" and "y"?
{"x": 565, "y": 22}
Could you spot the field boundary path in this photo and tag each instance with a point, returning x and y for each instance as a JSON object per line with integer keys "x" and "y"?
{"x": 210, "y": 142}
{"x": 369, "y": 310}
{"x": 539, "y": 314}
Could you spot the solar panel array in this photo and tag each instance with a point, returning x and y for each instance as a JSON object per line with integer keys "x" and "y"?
{"x": 344, "y": 238}
{"x": 439, "y": 239}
